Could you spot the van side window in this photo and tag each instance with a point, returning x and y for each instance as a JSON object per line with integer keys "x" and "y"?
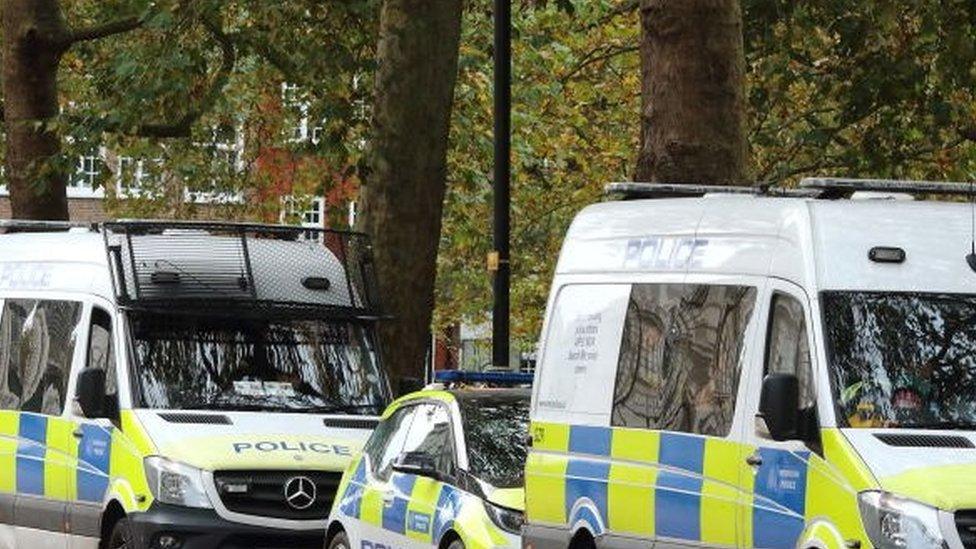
{"x": 787, "y": 346}
{"x": 37, "y": 343}
{"x": 680, "y": 357}
{"x": 101, "y": 355}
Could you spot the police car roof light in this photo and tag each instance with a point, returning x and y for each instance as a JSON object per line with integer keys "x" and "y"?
{"x": 493, "y": 378}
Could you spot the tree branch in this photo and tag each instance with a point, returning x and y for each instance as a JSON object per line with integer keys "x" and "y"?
{"x": 118, "y": 26}
{"x": 183, "y": 126}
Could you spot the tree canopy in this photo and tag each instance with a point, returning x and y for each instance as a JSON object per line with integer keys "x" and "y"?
{"x": 874, "y": 88}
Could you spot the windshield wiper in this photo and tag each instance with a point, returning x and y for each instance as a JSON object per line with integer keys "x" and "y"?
{"x": 334, "y": 408}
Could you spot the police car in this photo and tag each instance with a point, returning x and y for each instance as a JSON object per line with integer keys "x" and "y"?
{"x": 443, "y": 469}
{"x": 180, "y": 385}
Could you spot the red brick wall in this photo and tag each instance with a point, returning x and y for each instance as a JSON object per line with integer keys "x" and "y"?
{"x": 80, "y": 209}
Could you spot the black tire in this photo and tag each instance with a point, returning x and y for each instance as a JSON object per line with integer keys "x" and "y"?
{"x": 121, "y": 537}
{"x": 456, "y": 544}
{"x": 339, "y": 541}
{"x": 582, "y": 540}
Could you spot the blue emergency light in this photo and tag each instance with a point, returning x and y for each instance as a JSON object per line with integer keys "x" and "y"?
{"x": 492, "y": 378}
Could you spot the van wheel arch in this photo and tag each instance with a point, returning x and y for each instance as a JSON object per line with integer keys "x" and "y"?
{"x": 335, "y": 528}
{"x": 582, "y": 539}
{"x": 448, "y": 538}
{"x": 113, "y": 513}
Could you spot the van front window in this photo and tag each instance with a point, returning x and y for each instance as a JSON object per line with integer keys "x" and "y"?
{"x": 225, "y": 363}
{"x": 902, "y": 360}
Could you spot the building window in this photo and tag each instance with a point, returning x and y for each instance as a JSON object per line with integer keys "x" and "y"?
{"x": 296, "y": 107}
{"x": 86, "y": 174}
{"x": 314, "y": 216}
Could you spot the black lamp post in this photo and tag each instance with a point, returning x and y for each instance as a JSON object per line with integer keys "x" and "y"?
{"x": 499, "y": 261}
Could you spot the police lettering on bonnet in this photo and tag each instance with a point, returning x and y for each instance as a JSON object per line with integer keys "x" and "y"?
{"x": 203, "y": 407}
{"x": 270, "y": 446}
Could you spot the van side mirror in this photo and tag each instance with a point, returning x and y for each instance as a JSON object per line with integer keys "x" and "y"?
{"x": 779, "y": 407}
{"x": 90, "y": 392}
{"x": 421, "y": 464}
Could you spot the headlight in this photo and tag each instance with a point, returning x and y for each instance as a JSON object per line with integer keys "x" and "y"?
{"x": 176, "y": 483}
{"x": 509, "y": 520}
{"x": 894, "y": 522}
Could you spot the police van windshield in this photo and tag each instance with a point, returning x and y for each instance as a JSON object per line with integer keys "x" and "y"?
{"x": 902, "y": 360}
{"x": 196, "y": 362}
{"x": 495, "y": 429}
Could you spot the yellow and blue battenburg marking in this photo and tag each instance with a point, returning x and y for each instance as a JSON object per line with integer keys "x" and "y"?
{"x": 50, "y": 462}
{"x": 397, "y": 517}
{"x": 664, "y": 484}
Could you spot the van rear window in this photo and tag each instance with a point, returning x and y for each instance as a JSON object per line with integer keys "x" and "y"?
{"x": 680, "y": 357}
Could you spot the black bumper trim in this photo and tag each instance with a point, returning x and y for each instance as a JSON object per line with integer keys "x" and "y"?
{"x": 203, "y": 528}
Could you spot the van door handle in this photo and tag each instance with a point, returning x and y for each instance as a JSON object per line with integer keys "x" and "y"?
{"x": 755, "y": 460}
{"x": 78, "y": 433}
{"x": 388, "y": 498}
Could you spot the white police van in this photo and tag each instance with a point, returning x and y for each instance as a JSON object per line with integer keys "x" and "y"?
{"x": 181, "y": 385}
{"x": 745, "y": 367}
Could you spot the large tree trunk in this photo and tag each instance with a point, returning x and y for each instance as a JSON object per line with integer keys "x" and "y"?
{"x": 693, "y": 120}
{"x": 404, "y": 194}
{"x": 33, "y": 41}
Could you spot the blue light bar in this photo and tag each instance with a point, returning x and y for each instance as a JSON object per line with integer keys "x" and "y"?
{"x": 494, "y": 378}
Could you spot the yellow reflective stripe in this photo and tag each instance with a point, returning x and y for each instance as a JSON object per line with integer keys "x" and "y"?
{"x": 130, "y": 446}
{"x": 545, "y": 488}
{"x": 545, "y": 474}
{"x": 553, "y": 437}
{"x": 832, "y": 487}
{"x": 721, "y": 494}
{"x": 635, "y": 445}
{"x": 9, "y": 422}
{"x": 136, "y": 434}
{"x": 423, "y": 501}
{"x": 61, "y": 460}
{"x": 843, "y": 457}
{"x": 630, "y": 498}
{"x": 630, "y": 494}
{"x": 371, "y": 508}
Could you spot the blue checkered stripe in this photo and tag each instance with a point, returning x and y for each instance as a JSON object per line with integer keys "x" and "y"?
{"x": 779, "y": 491}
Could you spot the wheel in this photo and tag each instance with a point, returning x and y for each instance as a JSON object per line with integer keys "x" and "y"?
{"x": 339, "y": 541}
{"x": 121, "y": 537}
{"x": 456, "y": 544}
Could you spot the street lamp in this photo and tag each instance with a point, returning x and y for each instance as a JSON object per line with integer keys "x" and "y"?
{"x": 499, "y": 259}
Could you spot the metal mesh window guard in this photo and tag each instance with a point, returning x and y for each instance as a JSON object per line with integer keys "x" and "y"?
{"x": 237, "y": 268}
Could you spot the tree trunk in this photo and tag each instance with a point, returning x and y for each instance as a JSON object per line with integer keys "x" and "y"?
{"x": 403, "y": 198}
{"x": 33, "y": 36}
{"x": 693, "y": 93}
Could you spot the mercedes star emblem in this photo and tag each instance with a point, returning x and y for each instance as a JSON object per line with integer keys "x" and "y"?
{"x": 300, "y": 493}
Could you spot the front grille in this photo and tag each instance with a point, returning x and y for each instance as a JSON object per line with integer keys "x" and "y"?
{"x": 966, "y": 523}
{"x": 262, "y": 493}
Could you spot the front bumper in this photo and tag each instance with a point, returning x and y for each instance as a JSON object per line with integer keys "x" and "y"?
{"x": 204, "y": 529}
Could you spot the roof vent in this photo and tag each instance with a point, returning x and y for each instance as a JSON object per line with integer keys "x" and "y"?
{"x": 197, "y": 419}
{"x": 926, "y": 441}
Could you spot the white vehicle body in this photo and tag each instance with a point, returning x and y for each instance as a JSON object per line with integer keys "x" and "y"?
{"x": 581, "y": 474}
{"x": 66, "y": 479}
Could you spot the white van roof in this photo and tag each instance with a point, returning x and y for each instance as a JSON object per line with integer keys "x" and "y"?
{"x": 71, "y": 261}
{"x": 816, "y": 243}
